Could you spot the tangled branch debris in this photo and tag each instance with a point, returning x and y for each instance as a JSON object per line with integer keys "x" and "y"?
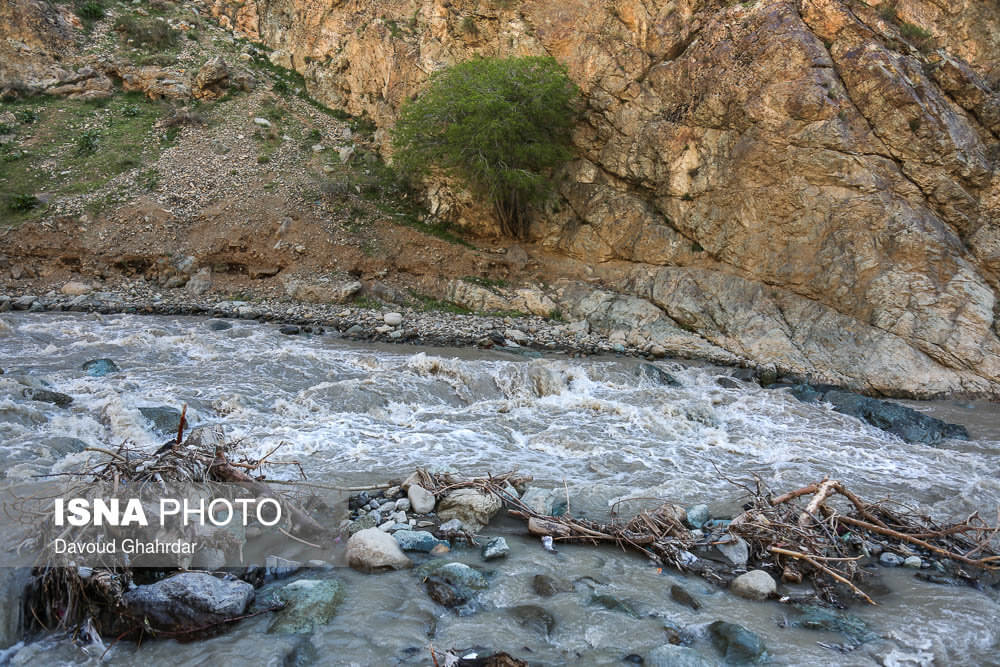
{"x": 65, "y": 597}
{"x": 827, "y": 541}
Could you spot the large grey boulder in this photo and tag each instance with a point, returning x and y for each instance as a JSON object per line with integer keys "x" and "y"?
{"x": 309, "y": 604}
{"x": 472, "y": 508}
{"x": 188, "y": 601}
{"x": 371, "y": 549}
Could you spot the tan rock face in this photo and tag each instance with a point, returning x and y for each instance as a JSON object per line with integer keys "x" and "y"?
{"x": 819, "y": 183}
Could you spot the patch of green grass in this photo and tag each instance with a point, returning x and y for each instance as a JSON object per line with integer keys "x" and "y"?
{"x": 921, "y": 38}
{"x": 26, "y": 116}
{"x": 6, "y": 128}
{"x": 146, "y": 33}
{"x": 430, "y": 304}
{"x": 485, "y": 282}
{"x": 169, "y": 137}
{"x": 87, "y": 144}
{"x": 365, "y": 302}
{"x": 468, "y": 26}
{"x": 89, "y": 11}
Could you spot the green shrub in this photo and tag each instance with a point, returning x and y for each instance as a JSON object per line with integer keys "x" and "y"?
{"x": 21, "y": 203}
{"x": 148, "y": 34}
{"x": 90, "y": 11}
{"x": 26, "y": 116}
{"x": 498, "y": 125}
{"x": 87, "y": 142}
{"x": 6, "y": 128}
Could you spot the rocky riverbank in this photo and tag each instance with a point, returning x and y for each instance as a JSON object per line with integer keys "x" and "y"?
{"x": 517, "y": 333}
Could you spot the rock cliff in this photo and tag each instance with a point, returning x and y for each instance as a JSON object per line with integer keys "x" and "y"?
{"x": 810, "y": 183}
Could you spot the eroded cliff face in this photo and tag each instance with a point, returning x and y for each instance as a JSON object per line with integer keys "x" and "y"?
{"x": 809, "y": 183}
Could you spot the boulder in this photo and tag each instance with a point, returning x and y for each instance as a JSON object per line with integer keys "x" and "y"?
{"x": 47, "y": 396}
{"x": 166, "y": 420}
{"x": 371, "y": 549}
{"x": 188, "y": 600}
{"x": 392, "y": 319}
{"x": 211, "y": 80}
{"x": 738, "y": 645}
{"x": 907, "y": 423}
{"x": 100, "y": 367}
{"x": 200, "y": 282}
{"x": 416, "y": 540}
{"x": 321, "y": 291}
{"x": 309, "y": 604}
{"x": 657, "y": 375}
{"x": 76, "y": 288}
{"x": 472, "y": 508}
{"x": 754, "y": 585}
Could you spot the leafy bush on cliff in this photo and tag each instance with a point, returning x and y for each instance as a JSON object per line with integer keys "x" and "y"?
{"x": 498, "y": 125}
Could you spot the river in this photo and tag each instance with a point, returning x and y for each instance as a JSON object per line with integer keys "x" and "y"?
{"x": 354, "y": 414}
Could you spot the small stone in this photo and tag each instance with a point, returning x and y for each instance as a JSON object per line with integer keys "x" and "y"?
{"x": 890, "y": 559}
{"x": 670, "y": 655}
{"x": 534, "y": 618}
{"x": 680, "y": 595}
{"x": 914, "y": 562}
{"x": 547, "y": 586}
{"x": 392, "y": 319}
{"x": 263, "y": 122}
{"x": 736, "y": 552}
{"x": 421, "y": 500}
{"x": 495, "y": 547}
{"x": 289, "y": 329}
{"x": 403, "y": 505}
{"x": 754, "y": 585}
{"x": 452, "y": 526}
{"x": 417, "y": 540}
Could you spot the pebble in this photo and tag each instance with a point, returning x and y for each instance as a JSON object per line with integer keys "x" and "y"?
{"x": 754, "y": 585}
{"x": 393, "y": 319}
{"x": 914, "y": 562}
{"x": 890, "y": 559}
{"x": 495, "y": 547}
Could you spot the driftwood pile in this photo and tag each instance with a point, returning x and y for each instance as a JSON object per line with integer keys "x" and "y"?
{"x": 63, "y": 596}
{"x": 822, "y": 533}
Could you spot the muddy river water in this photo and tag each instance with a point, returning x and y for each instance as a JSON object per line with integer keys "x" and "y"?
{"x": 600, "y": 428}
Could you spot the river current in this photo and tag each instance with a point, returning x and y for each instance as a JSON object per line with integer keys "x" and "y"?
{"x": 599, "y": 428}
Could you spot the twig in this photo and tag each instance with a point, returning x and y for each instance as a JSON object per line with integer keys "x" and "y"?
{"x": 982, "y": 562}
{"x": 819, "y": 566}
{"x": 298, "y": 539}
{"x": 106, "y": 451}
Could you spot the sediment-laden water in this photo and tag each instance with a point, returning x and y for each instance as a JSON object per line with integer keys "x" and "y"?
{"x": 355, "y": 414}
